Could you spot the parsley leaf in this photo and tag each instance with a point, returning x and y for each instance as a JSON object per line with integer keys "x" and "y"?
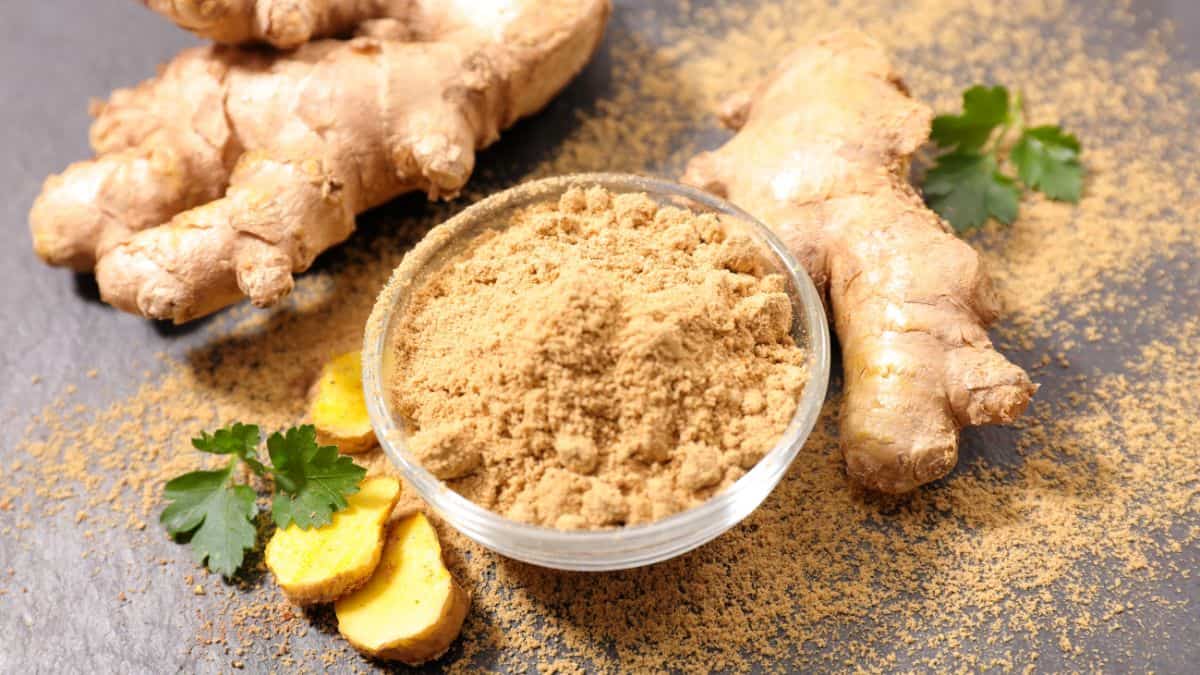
{"x": 966, "y": 188}
{"x": 313, "y": 481}
{"x": 237, "y": 439}
{"x": 966, "y": 185}
{"x": 218, "y": 516}
{"x": 1047, "y": 160}
{"x": 984, "y": 109}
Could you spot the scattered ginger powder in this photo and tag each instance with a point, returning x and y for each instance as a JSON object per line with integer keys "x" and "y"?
{"x": 601, "y": 361}
{"x": 1068, "y": 542}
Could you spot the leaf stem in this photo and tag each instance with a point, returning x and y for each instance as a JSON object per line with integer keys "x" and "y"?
{"x": 229, "y": 470}
{"x": 1015, "y": 119}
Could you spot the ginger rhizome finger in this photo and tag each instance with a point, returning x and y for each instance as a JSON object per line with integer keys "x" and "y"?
{"x": 822, "y": 156}
{"x": 234, "y": 168}
{"x": 282, "y": 23}
{"x": 411, "y": 609}
{"x": 339, "y": 408}
{"x": 325, "y": 563}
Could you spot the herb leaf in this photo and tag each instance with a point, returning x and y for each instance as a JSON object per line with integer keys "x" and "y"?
{"x": 1047, "y": 160}
{"x": 966, "y": 188}
{"x": 984, "y": 109}
{"x": 237, "y": 439}
{"x": 218, "y": 516}
{"x": 312, "y": 481}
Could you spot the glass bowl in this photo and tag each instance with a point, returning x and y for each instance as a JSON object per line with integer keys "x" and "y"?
{"x": 616, "y": 548}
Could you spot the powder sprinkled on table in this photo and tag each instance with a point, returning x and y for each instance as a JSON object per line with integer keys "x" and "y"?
{"x": 1068, "y": 543}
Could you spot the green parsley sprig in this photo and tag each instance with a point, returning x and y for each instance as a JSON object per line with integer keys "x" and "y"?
{"x": 217, "y": 515}
{"x": 967, "y": 184}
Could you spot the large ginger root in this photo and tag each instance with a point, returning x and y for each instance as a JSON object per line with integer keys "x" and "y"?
{"x": 282, "y": 23}
{"x": 822, "y": 156}
{"x": 411, "y": 609}
{"x": 339, "y": 407}
{"x": 325, "y": 563}
{"x": 233, "y": 169}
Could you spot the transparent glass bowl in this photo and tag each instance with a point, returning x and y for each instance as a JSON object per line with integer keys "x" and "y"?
{"x": 598, "y": 550}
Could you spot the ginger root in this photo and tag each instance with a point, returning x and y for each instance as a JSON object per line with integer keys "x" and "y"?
{"x": 234, "y": 168}
{"x": 339, "y": 408}
{"x": 411, "y": 609}
{"x": 323, "y": 564}
{"x": 282, "y": 23}
{"x": 822, "y": 156}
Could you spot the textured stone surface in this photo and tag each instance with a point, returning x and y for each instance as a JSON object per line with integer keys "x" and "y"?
{"x": 63, "y": 614}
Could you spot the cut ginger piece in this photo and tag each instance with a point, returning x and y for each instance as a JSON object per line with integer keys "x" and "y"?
{"x": 339, "y": 409}
{"x": 323, "y": 564}
{"x": 411, "y": 609}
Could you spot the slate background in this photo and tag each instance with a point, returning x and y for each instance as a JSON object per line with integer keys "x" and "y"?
{"x": 54, "y": 56}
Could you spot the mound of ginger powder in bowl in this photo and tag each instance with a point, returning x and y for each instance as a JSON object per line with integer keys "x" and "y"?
{"x": 601, "y": 361}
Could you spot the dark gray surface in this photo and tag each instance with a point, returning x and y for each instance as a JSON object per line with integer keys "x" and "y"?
{"x": 55, "y": 56}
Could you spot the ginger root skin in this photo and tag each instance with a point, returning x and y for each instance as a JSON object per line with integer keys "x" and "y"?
{"x": 234, "y": 168}
{"x": 284, "y": 24}
{"x": 323, "y": 564}
{"x": 822, "y": 156}
{"x": 411, "y": 610}
{"x": 339, "y": 408}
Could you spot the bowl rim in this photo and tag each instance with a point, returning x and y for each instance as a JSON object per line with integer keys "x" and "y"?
{"x": 469, "y": 517}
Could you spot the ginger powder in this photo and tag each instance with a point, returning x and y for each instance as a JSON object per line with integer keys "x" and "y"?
{"x": 601, "y": 361}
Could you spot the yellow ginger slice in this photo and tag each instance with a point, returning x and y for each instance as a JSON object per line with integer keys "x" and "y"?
{"x": 322, "y": 564}
{"x": 411, "y": 609}
{"x": 339, "y": 409}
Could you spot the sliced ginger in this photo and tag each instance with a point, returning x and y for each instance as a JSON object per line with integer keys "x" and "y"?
{"x": 339, "y": 409}
{"x": 411, "y": 609}
{"x": 322, "y": 564}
